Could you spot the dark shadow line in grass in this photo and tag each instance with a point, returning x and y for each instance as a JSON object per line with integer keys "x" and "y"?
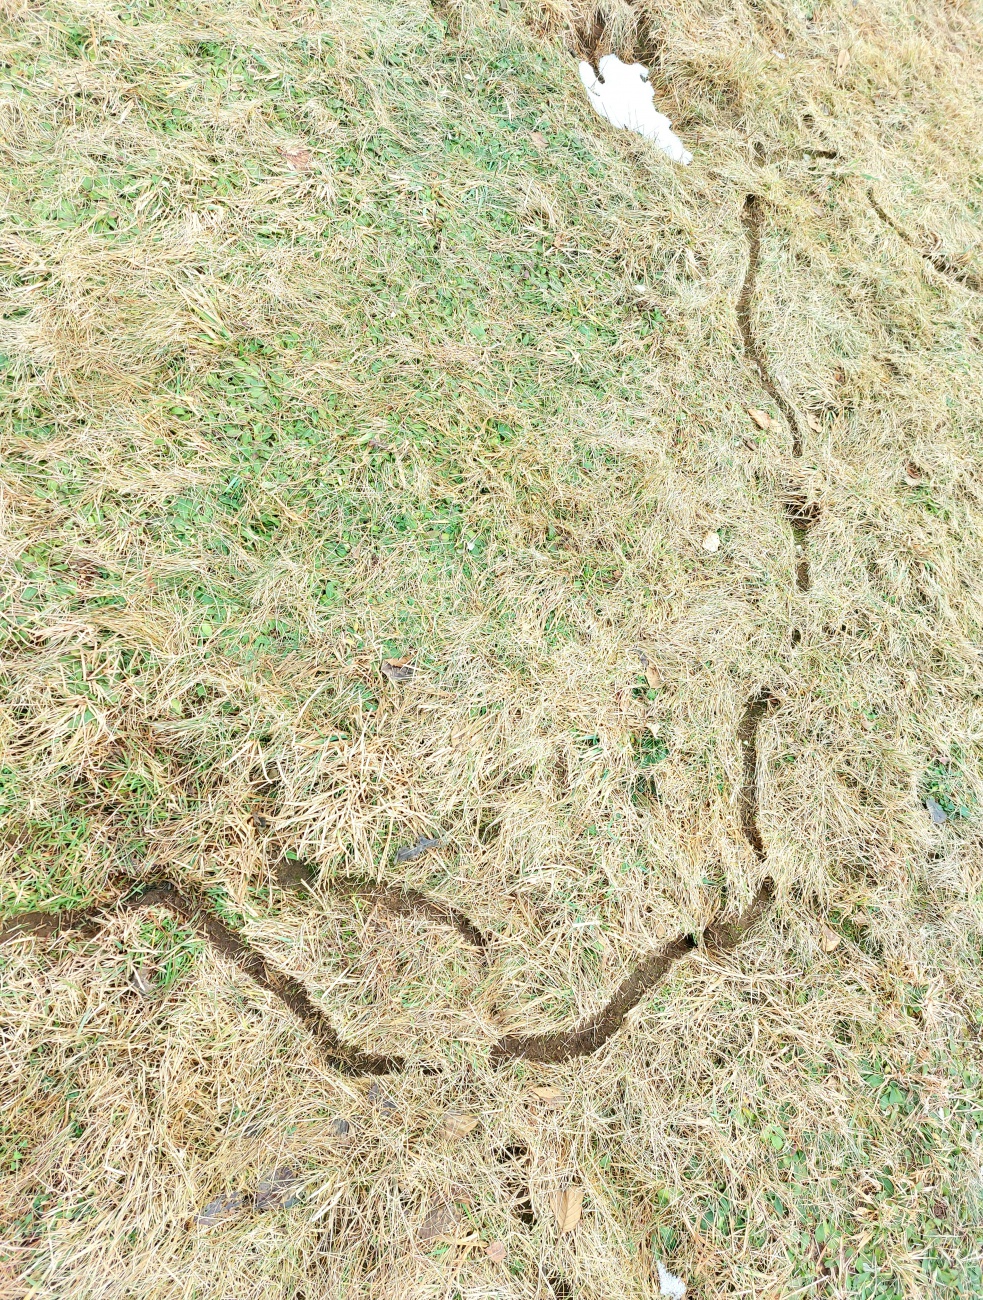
{"x": 588, "y": 35}
{"x": 192, "y": 907}
{"x": 752, "y": 217}
{"x": 800, "y": 513}
{"x": 400, "y": 900}
{"x": 942, "y": 262}
{"x": 721, "y": 936}
{"x": 447, "y": 14}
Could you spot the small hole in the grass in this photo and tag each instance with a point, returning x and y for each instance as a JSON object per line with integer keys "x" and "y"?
{"x": 292, "y": 873}
{"x": 506, "y": 1154}
{"x": 448, "y": 15}
{"x": 488, "y": 830}
{"x": 796, "y": 636}
{"x": 522, "y": 1202}
{"x": 843, "y": 1032}
{"x": 589, "y": 37}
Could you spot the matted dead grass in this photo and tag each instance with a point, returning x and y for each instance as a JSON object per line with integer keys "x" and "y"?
{"x": 343, "y": 336}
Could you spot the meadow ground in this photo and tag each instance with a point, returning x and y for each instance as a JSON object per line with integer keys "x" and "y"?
{"x": 369, "y": 409}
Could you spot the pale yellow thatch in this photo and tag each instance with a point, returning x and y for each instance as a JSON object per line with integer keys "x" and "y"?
{"x": 347, "y": 334}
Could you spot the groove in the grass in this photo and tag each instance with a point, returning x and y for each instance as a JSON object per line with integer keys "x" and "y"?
{"x": 801, "y": 513}
{"x": 752, "y": 216}
{"x": 940, "y": 260}
{"x": 552, "y": 1048}
{"x": 447, "y": 13}
{"x": 747, "y": 736}
{"x": 588, "y": 36}
{"x": 722, "y": 936}
{"x": 515, "y": 1185}
{"x": 192, "y": 907}
{"x": 401, "y": 900}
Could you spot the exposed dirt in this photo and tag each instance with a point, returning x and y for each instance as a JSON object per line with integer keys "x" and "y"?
{"x": 801, "y": 513}
{"x": 936, "y": 257}
{"x": 747, "y": 734}
{"x": 752, "y": 216}
{"x": 194, "y": 908}
{"x": 405, "y": 902}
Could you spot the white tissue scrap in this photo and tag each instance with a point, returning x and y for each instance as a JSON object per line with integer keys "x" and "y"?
{"x": 622, "y": 94}
{"x": 669, "y": 1284}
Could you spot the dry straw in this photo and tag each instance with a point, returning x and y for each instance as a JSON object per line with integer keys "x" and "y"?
{"x": 347, "y": 336}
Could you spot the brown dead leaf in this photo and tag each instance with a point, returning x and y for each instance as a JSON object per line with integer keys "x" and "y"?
{"x": 440, "y": 1222}
{"x": 547, "y": 1094}
{"x": 279, "y": 1190}
{"x": 457, "y": 1124}
{"x": 829, "y": 939}
{"x": 459, "y": 735}
{"x": 538, "y": 140}
{"x": 842, "y": 62}
{"x": 225, "y": 1206}
{"x": 813, "y": 422}
{"x": 912, "y": 474}
{"x": 653, "y": 676}
{"x": 761, "y": 418}
{"x": 568, "y": 1204}
{"x": 141, "y": 983}
{"x": 495, "y": 1250}
{"x": 297, "y": 157}
{"x": 398, "y": 670}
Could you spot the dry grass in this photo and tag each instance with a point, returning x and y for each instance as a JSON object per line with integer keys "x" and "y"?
{"x": 335, "y": 335}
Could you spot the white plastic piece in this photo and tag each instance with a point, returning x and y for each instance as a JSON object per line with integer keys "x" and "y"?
{"x": 711, "y": 542}
{"x": 622, "y": 94}
{"x": 669, "y": 1284}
